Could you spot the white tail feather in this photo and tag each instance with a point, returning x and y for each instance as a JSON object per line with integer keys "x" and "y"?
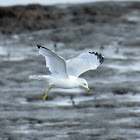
{"x": 38, "y": 77}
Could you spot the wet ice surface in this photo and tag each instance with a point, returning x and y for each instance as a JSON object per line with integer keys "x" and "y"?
{"x": 111, "y": 111}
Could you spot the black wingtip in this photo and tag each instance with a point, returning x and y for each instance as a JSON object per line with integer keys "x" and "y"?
{"x": 38, "y": 46}
{"x": 99, "y": 56}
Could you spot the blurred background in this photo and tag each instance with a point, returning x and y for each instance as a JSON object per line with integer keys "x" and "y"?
{"x": 111, "y": 111}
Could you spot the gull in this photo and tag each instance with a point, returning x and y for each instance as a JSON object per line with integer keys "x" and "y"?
{"x": 65, "y": 74}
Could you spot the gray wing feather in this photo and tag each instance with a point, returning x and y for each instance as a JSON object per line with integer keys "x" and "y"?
{"x": 84, "y": 62}
{"x": 54, "y": 62}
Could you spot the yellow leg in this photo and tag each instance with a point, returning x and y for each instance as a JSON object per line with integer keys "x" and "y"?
{"x": 44, "y": 91}
{"x": 45, "y": 96}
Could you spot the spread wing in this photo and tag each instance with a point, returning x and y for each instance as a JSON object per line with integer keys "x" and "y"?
{"x": 54, "y": 62}
{"x": 84, "y": 62}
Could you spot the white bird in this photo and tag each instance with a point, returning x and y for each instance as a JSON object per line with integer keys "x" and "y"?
{"x": 65, "y": 74}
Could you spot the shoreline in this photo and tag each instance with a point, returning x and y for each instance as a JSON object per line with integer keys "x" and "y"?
{"x": 47, "y": 3}
{"x": 38, "y": 17}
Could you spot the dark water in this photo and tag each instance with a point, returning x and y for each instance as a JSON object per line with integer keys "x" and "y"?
{"x": 110, "y": 112}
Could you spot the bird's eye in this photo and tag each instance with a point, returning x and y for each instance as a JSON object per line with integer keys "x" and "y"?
{"x": 84, "y": 83}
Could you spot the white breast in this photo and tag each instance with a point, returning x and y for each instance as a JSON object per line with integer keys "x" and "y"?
{"x": 70, "y": 82}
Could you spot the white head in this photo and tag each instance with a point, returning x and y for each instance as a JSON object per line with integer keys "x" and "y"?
{"x": 83, "y": 83}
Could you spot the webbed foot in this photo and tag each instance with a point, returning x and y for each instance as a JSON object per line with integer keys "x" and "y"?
{"x": 44, "y": 96}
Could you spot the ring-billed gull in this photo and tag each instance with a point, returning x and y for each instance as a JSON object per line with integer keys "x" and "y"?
{"x": 65, "y": 73}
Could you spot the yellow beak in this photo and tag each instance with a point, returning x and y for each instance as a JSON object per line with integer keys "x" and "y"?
{"x": 88, "y": 90}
